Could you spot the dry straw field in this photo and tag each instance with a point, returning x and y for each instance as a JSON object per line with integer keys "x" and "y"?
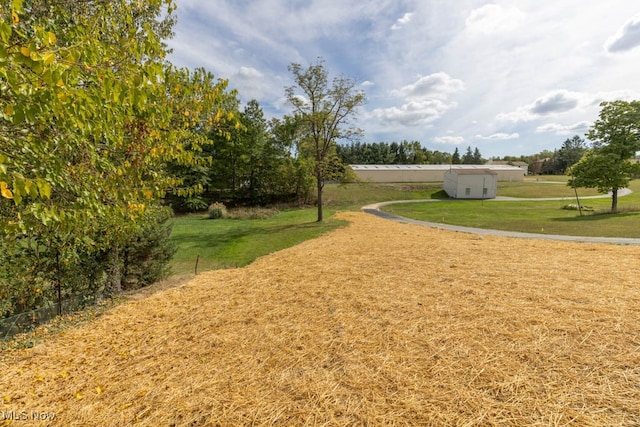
{"x": 375, "y": 324}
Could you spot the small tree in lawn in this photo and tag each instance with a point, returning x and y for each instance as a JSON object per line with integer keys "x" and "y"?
{"x": 616, "y": 139}
{"x": 325, "y": 109}
{"x": 602, "y": 171}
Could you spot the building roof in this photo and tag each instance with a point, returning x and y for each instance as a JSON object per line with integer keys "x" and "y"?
{"x": 483, "y": 171}
{"x": 434, "y": 167}
{"x": 507, "y": 162}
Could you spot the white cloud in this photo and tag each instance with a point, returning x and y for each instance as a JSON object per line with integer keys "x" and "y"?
{"x": 406, "y": 18}
{"x": 367, "y": 83}
{"x": 494, "y": 18}
{"x": 554, "y": 102}
{"x": 438, "y": 85}
{"x": 421, "y": 102}
{"x": 249, "y": 73}
{"x": 250, "y": 82}
{"x": 455, "y": 140}
{"x": 499, "y": 136}
{"x": 558, "y": 129}
{"x": 413, "y": 113}
{"x": 627, "y": 38}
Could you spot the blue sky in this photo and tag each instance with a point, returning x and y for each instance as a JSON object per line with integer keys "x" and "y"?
{"x": 509, "y": 77}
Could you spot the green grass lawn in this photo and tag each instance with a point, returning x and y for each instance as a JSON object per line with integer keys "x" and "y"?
{"x": 540, "y": 189}
{"x": 225, "y": 243}
{"x": 547, "y": 217}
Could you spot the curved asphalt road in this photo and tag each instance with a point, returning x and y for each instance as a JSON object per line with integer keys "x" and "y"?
{"x": 374, "y": 209}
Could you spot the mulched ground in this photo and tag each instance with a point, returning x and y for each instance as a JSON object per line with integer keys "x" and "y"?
{"x": 378, "y": 323}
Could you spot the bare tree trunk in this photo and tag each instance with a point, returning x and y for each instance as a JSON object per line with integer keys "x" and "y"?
{"x": 614, "y": 200}
{"x": 320, "y": 185}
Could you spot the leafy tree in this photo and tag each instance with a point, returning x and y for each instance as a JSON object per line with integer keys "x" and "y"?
{"x": 570, "y": 153}
{"x": 455, "y": 158}
{"x": 90, "y": 116}
{"x": 212, "y": 125}
{"x": 296, "y": 170}
{"x": 616, "y": 138}
{"x": 325, "y": 110}
{"x": 617, "y": 131}
{"x": 603, "y": 171}
{"x": 441, "y": 158}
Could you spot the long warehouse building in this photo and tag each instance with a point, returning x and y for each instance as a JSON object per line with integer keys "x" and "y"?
{"x": 429, "y": 173}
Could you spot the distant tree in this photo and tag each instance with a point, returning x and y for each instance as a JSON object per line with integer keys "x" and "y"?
{"x": 477, "y": 157}
{"x": 441, "y": 158}
{"x": 571, "y": 152}
{"x": 419, "y": 153}
{"x": 616, "y": 138}
{"x": 467, "y": 158}
{"x": 455, "y": 158}
{"x": 325, "y": 110}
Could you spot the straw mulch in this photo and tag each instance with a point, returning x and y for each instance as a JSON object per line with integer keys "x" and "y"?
{"x": 378, "y": 323}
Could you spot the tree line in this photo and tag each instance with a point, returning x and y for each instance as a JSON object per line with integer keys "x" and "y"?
{"x": 403, "y": 153}
{"x": 556, "y": 162}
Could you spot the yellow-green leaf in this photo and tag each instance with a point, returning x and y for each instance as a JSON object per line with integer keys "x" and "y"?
{"x": 17, "y": 5}
{"x": 52, "y": 38}
{"x": 25, "y": 51}
{"x": 5, "y": 191}
{"x": 5, "y": 31}
{"x": 44, "y": 188}
{"x": 49, "y": 58}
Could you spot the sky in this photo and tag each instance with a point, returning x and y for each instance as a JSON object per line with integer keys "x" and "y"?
{"x": 508, "y": 77}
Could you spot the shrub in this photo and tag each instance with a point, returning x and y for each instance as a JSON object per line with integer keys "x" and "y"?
{"x": 251, "y": 213}
{"x": 217, "y": 210}
{"x": 147, "y": 254}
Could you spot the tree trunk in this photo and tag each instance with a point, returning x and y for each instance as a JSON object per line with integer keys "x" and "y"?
{"x": 319, "y": 182}
{"x": 614, "y": 200}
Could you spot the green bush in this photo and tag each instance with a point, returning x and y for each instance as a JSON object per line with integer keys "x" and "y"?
{"x": 37, "y": 266}
{"x": 251, "y": 213}
{"x": 217, "y": 210}
{"x": 146, "y": 255}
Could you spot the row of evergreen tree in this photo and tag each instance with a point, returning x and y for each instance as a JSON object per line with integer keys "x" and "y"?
{"x": 403, "y": 153}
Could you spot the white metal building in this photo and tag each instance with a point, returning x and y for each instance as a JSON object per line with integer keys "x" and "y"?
{"x": 428, "y": 173}
{"x": 471, "y": 183}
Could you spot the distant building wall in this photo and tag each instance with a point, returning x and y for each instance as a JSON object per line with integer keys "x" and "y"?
{"x": 428, "y": 173}
{"x": 522, "y": 165}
